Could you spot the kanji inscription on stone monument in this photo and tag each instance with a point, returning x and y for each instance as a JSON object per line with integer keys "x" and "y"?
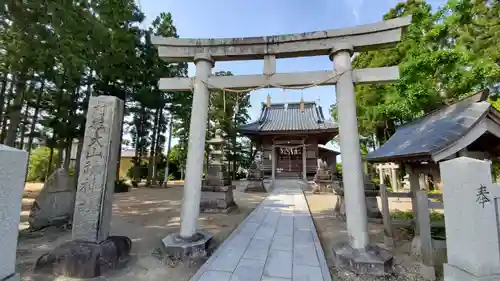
{"x": 98, "y": 169}
{"x": 482, "y": 195}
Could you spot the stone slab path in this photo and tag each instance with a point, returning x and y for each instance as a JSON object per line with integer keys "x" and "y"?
{"x": 276, "y": 242}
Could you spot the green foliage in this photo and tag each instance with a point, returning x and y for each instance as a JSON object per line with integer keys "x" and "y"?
{"x": 408, "y": 215}
{"x": 84, "y": 49}
{"x": 39, "y": 163}
{"x": 443, "y": 56}
{"x": 339, "y": 169}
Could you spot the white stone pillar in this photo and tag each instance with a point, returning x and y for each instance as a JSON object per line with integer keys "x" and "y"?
{"x": 352, "y": 169}
{"x": 273, "y": 162}
{"x": 414, "y": 187}
{"x": 394, "y": 179}
{"x": 13, "y": 164}
{"x": 381, "y": 174}
{"x": 196, "y": 146}
{"x": 304, "y": 163}
{"x": 471, "y": 211}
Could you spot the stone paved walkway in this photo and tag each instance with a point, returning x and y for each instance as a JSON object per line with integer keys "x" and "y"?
{"x": 276, "y": 242}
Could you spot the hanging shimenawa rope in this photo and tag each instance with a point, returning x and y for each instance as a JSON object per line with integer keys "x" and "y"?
{"x": 269, "y": 85}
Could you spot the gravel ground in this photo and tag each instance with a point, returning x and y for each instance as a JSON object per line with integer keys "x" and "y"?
{"x": 332, "y": 231}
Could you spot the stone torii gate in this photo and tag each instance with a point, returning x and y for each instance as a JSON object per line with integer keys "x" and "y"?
{"x": 339, "y": 45}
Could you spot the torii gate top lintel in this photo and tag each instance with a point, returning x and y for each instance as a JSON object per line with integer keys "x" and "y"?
{"x": 363, "y": 38}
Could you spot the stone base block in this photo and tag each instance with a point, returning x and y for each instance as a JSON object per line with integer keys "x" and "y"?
{"x": 177, "y": 247}
{"x": 255, "y": 186}
{"x": 268, "y": 185}
{"x": 321, "y": 187}
{"x": 453, "y": 273}
{"x": 373, "y": 260}
{"x": 217, "y": 200}
{"x": 83, "y": 259}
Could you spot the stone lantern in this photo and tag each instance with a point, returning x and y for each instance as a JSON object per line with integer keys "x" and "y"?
{"x": 217, "y": 190}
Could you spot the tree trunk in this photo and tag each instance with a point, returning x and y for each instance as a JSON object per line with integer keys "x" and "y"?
{"x": 59, "y": 158}
{"x": 34, "y": 118}
{"x": 67, "y": 153}
{"x": 151, "y": 177}
{"x": 3, "y": 133}
{"x": 23, "y": 126}
{"x": 2, "y": 95}
{"x": 233, "y": 140}
{"x": 15, "y": 112}
{"x": 120, "y": 144}
{"x": 158, "y": 147}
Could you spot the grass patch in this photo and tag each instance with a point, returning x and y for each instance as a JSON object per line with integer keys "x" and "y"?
{"x": 436, "y": 232}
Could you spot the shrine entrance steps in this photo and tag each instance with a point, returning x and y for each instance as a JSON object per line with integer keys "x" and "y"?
{"x": 289, "y": 175}
{"x": 277, "y": 241}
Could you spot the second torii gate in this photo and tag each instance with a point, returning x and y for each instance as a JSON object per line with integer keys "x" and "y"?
{"x": 339, "y": 45}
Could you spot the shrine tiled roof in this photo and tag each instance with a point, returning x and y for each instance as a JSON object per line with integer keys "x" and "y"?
{"x": 280, "y": 117}
{"x": 426, "y": 136}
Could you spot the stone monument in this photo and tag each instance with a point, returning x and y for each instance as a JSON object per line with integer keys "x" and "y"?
{"x": 92, "y": 251}
{"x": 322, "y": 178}
{"x": 472, "y": 224}
{"x": 255, "y": 178}
{"x": 12, "y": 174}
{"x": 217, "y": 190}
{"x": 55, "y": 203}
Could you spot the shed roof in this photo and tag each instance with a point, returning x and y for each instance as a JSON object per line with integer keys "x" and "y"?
{"x": 426, "y": 137}
{"x": 280, "y": 117}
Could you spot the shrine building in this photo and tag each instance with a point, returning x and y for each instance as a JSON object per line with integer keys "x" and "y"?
{"x": 291, "y": 138}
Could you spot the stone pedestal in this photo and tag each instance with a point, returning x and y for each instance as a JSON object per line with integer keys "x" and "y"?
{"x": 255, "y": 180}
{"x": 177, "y": 247}
{"x": 372, "y": 260}
{"x": 91, "y": 251}
{"x": 217, "y": 190}
{"x": 322, "y": 181}
{"x": 55, "y": 203}
{"x": 12, "y": 174}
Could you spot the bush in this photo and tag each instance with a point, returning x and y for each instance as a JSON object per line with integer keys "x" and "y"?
{"x": 121, "y": 186}
{"x": 38, "y": 164}
{"x": 435, "y": 191}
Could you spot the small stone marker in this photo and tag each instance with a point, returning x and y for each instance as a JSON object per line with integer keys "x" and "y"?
{"x": 12, "y": 174}
{"x": 472, "y": 226}
{"x": 97, "y": 176}
{"x": 92, "y": 252}
{"x": 55, "y": 203}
